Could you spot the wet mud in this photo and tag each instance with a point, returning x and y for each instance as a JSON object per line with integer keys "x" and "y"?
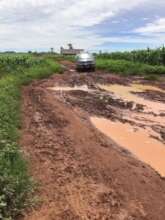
{"x": 83, "y": 172}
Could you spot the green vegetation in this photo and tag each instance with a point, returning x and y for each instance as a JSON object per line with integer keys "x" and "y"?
{"x": 71, "y": 58}
{"x": 129, "y": 68}
{"x": 12, "y": 63}
{"x": 15, "y": 183}
{"x": 149, "y": 56}
{"x": 150, "y": 62}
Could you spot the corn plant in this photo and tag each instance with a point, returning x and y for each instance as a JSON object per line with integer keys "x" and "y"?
{"x": 148, "y": 56}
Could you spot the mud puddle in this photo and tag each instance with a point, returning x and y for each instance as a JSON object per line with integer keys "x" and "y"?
{"x": 144, "y": 120}
{"x": 67, "y": 88}
{"x": 137, "y": 140}
{"x": 126, "y": 93}
{"x": 141, "y": 135}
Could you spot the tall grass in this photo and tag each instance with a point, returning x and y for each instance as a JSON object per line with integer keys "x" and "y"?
{"x": 129, "y": 68}
{"x": 15, "y": 183}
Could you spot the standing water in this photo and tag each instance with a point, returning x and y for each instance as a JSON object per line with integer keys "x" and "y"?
{"x": 137, "y": 141}
{"x": 125, "y": 93}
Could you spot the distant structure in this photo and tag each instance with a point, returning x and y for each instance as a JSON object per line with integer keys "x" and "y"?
{"x": 70, "y": 50}
{"x": 52, "y": 50}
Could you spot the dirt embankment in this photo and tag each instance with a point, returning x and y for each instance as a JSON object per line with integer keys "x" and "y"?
{"x": 82, "y": 174}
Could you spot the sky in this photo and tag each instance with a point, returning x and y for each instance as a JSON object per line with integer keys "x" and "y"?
{"x": 107, "y": 25}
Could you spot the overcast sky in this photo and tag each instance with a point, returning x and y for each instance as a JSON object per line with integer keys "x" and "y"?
{"x": 106, "y": 25}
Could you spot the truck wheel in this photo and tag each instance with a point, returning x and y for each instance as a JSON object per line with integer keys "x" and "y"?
{"x": 93, "y": 69}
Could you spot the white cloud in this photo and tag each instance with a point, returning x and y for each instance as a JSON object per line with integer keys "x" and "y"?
{"x": 154, "y": 32}
{"x": 28, "y": 24}
{"x": 157, "y": 27}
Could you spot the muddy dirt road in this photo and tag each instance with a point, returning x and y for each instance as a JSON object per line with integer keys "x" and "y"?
{"x": 83, "y": 173}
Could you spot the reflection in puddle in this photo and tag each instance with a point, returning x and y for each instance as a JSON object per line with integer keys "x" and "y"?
{"x": 136, "y": 140}
{"x": 67, "y": 88}
{"x": 124, "y": 92}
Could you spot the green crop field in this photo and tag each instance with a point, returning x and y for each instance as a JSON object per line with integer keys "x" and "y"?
{"x": 148, "y": 63}
{"x": 15, "y": 183}
{"x": 148, "y": 56}
{"x": 129, "y": 68}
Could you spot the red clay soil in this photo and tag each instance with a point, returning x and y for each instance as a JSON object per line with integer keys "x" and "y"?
{"x": 82, "y": 174}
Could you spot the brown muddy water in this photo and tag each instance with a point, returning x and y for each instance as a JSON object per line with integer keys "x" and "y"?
{"x": 125, "y": 93}
{"x": 140, "y": 139}
{"x": 67, "y": 88}
{"x": 137, "y": 140}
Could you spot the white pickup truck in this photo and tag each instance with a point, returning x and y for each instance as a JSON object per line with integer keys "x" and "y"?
{"x": 85, "y": 61}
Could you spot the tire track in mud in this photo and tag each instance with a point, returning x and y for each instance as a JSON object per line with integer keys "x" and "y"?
{"x": 82, "y": 174}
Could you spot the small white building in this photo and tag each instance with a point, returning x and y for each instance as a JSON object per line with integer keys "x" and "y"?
{"x": 70, "y": 50}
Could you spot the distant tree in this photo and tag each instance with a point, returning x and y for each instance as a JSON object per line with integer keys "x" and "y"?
{"x": 10, "y": 51}
{"x": 163, "y": 55}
